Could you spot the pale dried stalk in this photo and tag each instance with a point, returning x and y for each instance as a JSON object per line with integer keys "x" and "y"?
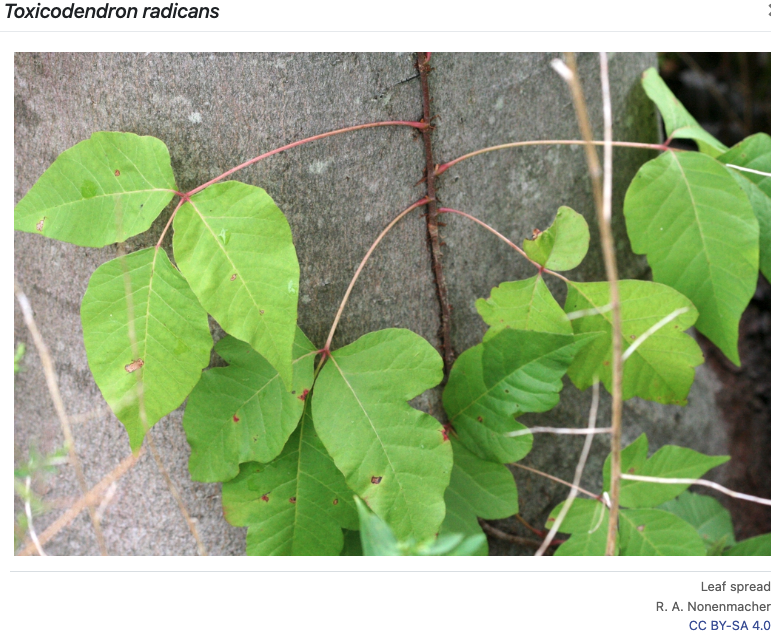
{"x": 91, "y": 498}
{"x": 702, "y": 482}
{"x": 53, "y": 389}
{"x": 555, "y": 479}
{"x": 602, "y": 199}
{"x": 30, "y": 525}
{"x": 559, "y": 430}
{"x": 177, "y": 497}
{"x": 579, "y": 471}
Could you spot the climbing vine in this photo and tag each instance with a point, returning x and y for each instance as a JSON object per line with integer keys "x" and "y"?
{"x": 313, "y": 445}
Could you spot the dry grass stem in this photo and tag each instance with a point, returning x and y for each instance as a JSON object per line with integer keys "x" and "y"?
{"x": 56, "y": 398}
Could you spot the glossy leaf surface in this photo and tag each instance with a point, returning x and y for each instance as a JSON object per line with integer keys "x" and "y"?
{"x": 563, "y": 245}
{"x": 235, "y": 248}
{"x": 393, "y": 456}
{"x": 759, "y": 546}
{"x": 526, "y": 304}
{"x": 662, "y": 367}
{"x": 760, "y": 201}
{"x": 588, "y": 522}
{"x": 686, "y": 212}
{"x": 294, "y": 505}
{"x": 100, "y": 191}
{"x": 172, "y": 341}
{"x": 678, "y": 122}
{"x": 243, "y": 412}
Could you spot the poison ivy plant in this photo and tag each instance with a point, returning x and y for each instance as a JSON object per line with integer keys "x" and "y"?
{"x": 321, "y": 452}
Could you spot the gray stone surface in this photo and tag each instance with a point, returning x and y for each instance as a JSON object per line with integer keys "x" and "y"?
{"x": 213, "y": 112}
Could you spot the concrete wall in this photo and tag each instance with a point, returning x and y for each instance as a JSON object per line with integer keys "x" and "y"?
{"x": 216, "y": 110}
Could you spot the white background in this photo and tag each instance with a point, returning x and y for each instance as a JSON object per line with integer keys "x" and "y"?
{"x": 374, "y": 600}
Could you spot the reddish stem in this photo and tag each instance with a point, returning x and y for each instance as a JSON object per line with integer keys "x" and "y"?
{"x": 372, "y": 248}
{"x": 520, "y": 144}
{"x": 540, "y": 268}
{"x": 415, "y": 124}
{"x": 183, "y": 199}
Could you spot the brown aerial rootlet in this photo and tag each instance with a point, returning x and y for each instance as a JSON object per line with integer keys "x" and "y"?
{"x": 133, "y": 366}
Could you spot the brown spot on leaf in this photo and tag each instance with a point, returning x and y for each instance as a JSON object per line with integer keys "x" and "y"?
{"x": 233, "y": 277}
{"x": 39, "y": 225}
{"x": 480, "y": 419}
{"x": 445, "y": 433}
{"x": 632, "y": 337}
{"x": 133, "y": 366}
{"x": 536, "y": 232}
{"x": 303, "y": 395}
{"x": 376, "y": 480}
{"x": 640, "y": 528}
{"x": 606, "y": 362}
{"x": 117, "y": 173}
{"x": 335, "y": 502}
{"x": 235, "y": 418}
{"x": 631, "y": 470}
{"x": 292, "y": 499}
{"x": 262, "y": 311}
{"x": 265, "y": 498}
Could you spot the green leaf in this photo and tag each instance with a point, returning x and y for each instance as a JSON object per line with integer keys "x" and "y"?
{"x": 393, "y": 456}
{"x": 761, "y": 206}
{"x": 678, "y": 123}
{"x": 670, "y": 461}
{"x": 585, "y": 515}
{"x": 662, "y": 367}
{"x": 295, "y": 505}
{"x": 235, "y": 247}
{"x": 562, "y": 245}
{"x": 513, "y": 373}
{"x": 377, "y": 539}
{"x": 588, "y": 520}
{"x": 659, "y": 533}
{"x": 100, "y": 191}
{"x": 633, "y": 457}
{"x": 477, "y": 489}
{"x": 242, "y": 412}
{"x": 526, "y": 304}
{"x": 754, "y": 153}
{"x": 696, "y": 225}
{"x": 711, "y": 520}
{"x": 756, "y": 547}
{"x": 172, "y": 341}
